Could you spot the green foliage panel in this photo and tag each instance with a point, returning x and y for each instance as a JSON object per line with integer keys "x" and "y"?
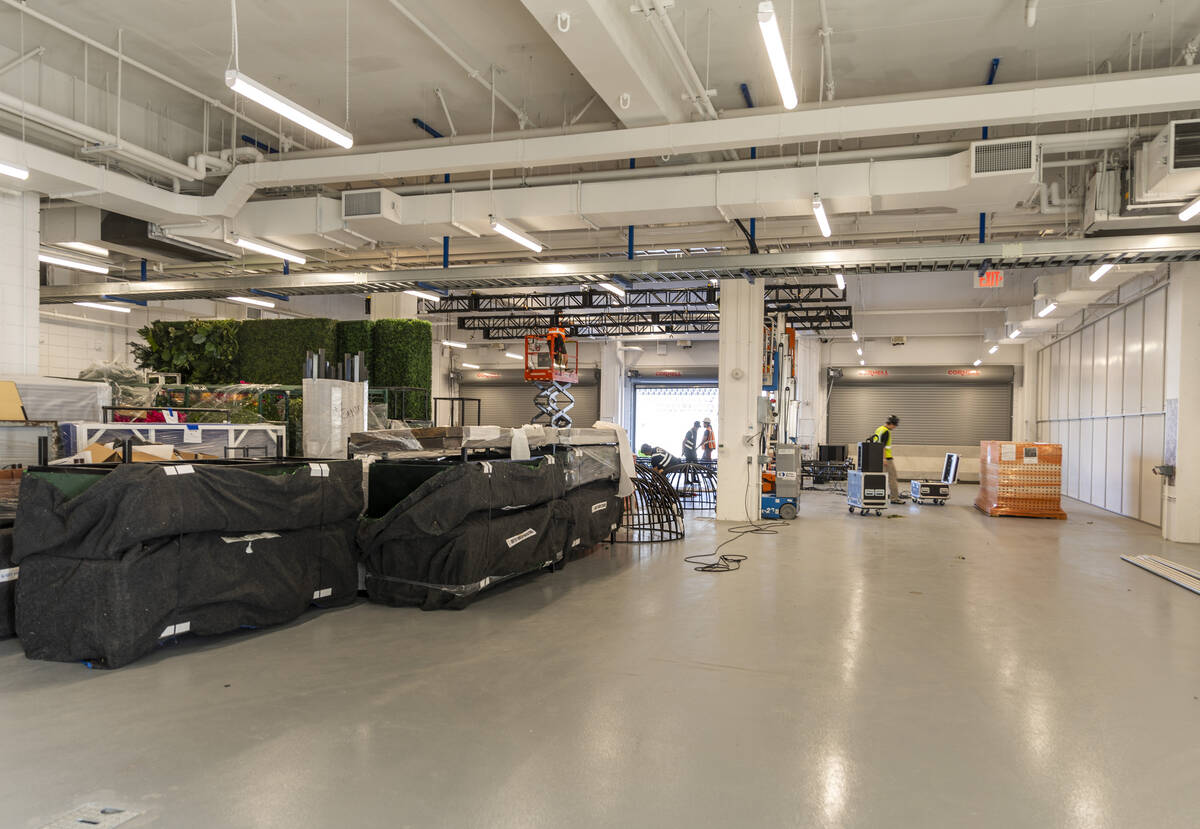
{"x": 272, "y": 351}
{"x": 403, "y": 356}
{"x": 202, "y": 351}
{"x": 353, "y": 337}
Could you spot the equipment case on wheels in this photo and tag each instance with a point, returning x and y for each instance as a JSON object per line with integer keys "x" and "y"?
{"x": 866, "y": 491}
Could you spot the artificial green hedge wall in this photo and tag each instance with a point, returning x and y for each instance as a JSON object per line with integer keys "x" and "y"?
{"x": 272, "y": 351}
{"x": 403, "y": 356}
{"x": 353, "y": 337}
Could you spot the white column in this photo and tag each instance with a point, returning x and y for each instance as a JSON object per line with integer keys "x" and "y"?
{"x": 614, "y": 403}
{"x": 1181, "y": 519}
{"x": 739, "y": 378}
{"x": 19, "y": 239}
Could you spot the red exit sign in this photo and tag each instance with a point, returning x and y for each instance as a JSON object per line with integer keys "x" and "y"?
{"x": 990, "y": 279}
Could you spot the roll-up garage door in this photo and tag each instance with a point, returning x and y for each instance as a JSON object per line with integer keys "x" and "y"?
{"x": 512, "y": 405}
{"x": 930, "y": 413}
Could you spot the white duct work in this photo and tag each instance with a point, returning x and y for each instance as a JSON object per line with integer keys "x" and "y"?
{"x": 945, "y": 183}
{"x": 1101, "y": 96}
{"x": 1067, "y": 293}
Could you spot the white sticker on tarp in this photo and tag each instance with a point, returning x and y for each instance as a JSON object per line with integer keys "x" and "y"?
{"x": 179, "y": 469}
{"x": 487, "y": 467}
{"x": 9, "y": 574}
{"x": 517, "y": 539}
{"x": 1008, "y": 452}
{"x": 549, "y": 460}
{"x": 191, "y": 433}
{"x": 577, "y": 542}
{"x": 234, "y": 539}
{"x": 600, "y": 507}
{"x": 323, "y": 593}
{"x": 613, "y": 527}
{"x": 318, "y": 470}
{"x": 175, "y": 630}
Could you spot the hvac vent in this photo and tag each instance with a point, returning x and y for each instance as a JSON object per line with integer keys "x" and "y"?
{"x": 1168, "y": 165}
{"x": 1003, "y": 157}
{"x": 362, "y": 203}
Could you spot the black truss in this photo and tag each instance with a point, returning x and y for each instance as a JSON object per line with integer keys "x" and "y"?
{"x": 826, "y": 318}
{"x": 599, "y": 299}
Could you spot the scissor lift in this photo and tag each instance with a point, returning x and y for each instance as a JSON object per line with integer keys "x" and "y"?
{"x": 552, "y": 365}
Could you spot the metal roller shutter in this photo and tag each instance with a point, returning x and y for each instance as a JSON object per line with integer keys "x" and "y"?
{"x": 935, "y": 414}
{"x": 512, "y": 405}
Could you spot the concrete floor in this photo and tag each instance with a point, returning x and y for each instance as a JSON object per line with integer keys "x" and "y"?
{"x": 938, "y": 669}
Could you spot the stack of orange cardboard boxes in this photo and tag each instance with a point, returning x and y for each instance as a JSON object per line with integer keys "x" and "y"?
{"x": 1023, "y": 479}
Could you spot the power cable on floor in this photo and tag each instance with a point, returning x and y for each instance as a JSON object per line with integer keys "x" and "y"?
{"x": 729, "y": 562}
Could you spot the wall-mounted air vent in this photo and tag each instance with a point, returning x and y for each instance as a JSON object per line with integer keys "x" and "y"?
{"x": 1003, "y": 157}
{"x": 377, "y": 203}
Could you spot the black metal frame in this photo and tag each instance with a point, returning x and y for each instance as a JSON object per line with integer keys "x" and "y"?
{"x": 653, "y": 513}
{"x": 695, "y": 483}
{"x": 606, "y": 324}
{"x": 458, "y": 404}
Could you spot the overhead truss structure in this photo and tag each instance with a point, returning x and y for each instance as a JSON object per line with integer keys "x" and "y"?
{"x": 815, "y": 266}
{"x": 632, "y": 323}
{"x": 601, "y": 300}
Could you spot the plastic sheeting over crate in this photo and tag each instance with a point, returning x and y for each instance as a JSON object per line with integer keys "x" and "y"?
{"x": 52, "y": 398}
{"x": 219, "y": 440}
{"x": 114, "y": 561}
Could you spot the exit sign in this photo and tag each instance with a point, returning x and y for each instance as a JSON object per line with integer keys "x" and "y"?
{"x": 990, "y": 279}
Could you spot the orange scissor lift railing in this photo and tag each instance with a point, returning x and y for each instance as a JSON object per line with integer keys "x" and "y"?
{"x": 552, "y": 365}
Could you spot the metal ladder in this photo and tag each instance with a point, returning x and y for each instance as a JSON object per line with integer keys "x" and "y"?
{"x": 551, "y": 408}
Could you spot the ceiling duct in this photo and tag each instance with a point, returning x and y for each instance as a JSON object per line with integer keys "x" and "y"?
{"x": 1168, "y": 165}
{"x": 1003, "y": 157}
{"x": 374, "y": 213}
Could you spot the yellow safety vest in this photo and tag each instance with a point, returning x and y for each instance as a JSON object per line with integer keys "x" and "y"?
{"x": 884, "y": 435}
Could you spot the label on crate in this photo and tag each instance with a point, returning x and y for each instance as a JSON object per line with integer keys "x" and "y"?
{"x": 1031, "y": 454}
{"x": 191, "y": 433}
{"x": 9, "y": 574}
{"x": 175, "y": 630}
{"x": 876, "y": 493}
{"x": 600, "y": 507}
{"x": 323, "y": 593}
{"x": 517, "y": 539}
{"x": 1008, "y": 452}
{"x": 180, "y": 469}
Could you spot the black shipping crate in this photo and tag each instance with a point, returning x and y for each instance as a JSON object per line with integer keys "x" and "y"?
{"x": 596, "y": 512}
{"x": 8, "y": 580}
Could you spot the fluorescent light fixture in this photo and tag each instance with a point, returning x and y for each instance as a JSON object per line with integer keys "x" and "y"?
{"x": 424, "y": 295}
{"x": 859, "y": 350}
{"x": 1048, "y": 310}
{"x": 272, "y": 100}
{"x": 613, "y": 289}
{"x": 862, "y": 362}
{"x": 841, "y": 281}
{"x": 13, "y": 171}
{"x": 1187, "y": 214}
{"x": 84, "y": 247}
{"x": 268, "y": 250}
{"x": 768, "y": 24}
{"x": 520, "y": 238}
{"x": 74, "y": 264}
{"x": 977, "y": 363}
{"x": 245, "y": 300}
{"x": 514, "y": 356}
{"x": 1100, "y": 271}
{"x": 854, "y": 336}
{"x": 469, "y": 365}
{"x": 454, "y": 344}
{"x": 1016, "y": 332}
{"x": 993, "y": 349}
{"x": 630, "y": 348}
{"x": 99, "y": 306}
{"x": 822, "y": 219}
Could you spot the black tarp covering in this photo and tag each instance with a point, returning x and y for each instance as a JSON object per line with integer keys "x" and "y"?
{"x": 8, "y": 579}
{"x": 114, "y": 562}
{"x": 596, "y": 512}
{"x": 112, "y": 611}
{"x": 450, "y": 568}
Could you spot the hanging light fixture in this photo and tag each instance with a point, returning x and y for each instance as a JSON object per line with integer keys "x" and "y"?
{"x": 84, "y": 247}
{"x": 977, "y": 363}
{"x": 613, "y": 289}
{"x": 841, "y": 281}
{"x": 267, "y": 249}
{"x": 1188, "y": 213}
{"x": 1048, "y": 310}
{"x": 514, "y": 356}
{"x": 854, "y": 335}
{"x": 13, "y": 171}
{"x": 768, "y": 24}
{"x": 859, "y": 350}
{"x": 518, "y": 237}
{"x": 1016, "y": 332}
{"x": 1100, "y": 271}
{"x": 245, "y": 300}
{"x": 100, "y": 306}
{"x": 469, "y": 365}
{"x": 73, "y": 264}
{"x": 424, "y": 295}
{"x": 993, "y": 349}
{"x": 862, "y": 362}
{"x": 454, "y": 344}
{"x": 822, "y": 218}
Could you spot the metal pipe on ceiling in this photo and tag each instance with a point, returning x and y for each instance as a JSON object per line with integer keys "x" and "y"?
{"x": 826, "y": 32}
{"x": 22, "y": 7}
{"x": 17, "y": 61}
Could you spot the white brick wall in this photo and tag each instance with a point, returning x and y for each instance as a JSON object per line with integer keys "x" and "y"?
{"x": 19, "y": 235}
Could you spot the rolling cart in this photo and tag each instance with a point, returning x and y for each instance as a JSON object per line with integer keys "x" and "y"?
{"x": 866, "y": 492}
{"x": 936, "y": 492}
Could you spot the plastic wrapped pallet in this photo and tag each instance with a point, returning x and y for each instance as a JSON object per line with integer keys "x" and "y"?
{"x": 333, "y": 411}
{"x": 1020, "y": 479}
{"x": 589, "y": 464}
{"x": 596, "y": 512}
{"x": 8, "y": 580}
{"x": 115, "y": 561}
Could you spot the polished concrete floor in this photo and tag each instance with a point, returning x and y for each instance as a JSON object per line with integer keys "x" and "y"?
{"x": 938, "y": 668}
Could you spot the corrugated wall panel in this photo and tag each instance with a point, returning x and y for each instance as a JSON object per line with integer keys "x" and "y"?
{"x": 512, "y": 405}
{"x": 930, "y": 414}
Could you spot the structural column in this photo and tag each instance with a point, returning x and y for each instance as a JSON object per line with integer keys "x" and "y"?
{"x": 613, "y": 384}
{"x": 739, "y": 379}
{"x": 1181, "y": 518}
{"x": 19, "y": 284}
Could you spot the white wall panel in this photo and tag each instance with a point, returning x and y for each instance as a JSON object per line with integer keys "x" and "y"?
{"x": 1086, "y": 428}
{"x": 1099, "y": 461}
{"x": 1131, "y": 400}
{"x": 1100, "y": 370}
{"x": 1071, "y": 453}
{"x": 1114, "y": 466}
{"x": 1152, "y": 456}
{"x": 1131, "y": 477}
{"x": 1116, "y": 361}
{"x": 1058, "y": 386}
{"x": 1154, "y": 333}
{"x": 1087, "y": 373}
{"x": 1073, "y": 375}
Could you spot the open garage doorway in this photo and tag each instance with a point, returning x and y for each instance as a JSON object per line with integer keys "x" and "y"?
{"x": 662, "y": 414}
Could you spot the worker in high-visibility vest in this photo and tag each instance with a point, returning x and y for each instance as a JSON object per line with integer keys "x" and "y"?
{"x": 709, "y": 442}
{"x": 884, "y": 435}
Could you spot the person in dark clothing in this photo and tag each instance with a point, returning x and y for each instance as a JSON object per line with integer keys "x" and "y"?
{"x": 660, "y": 459}
{"x": 690, "y": 439}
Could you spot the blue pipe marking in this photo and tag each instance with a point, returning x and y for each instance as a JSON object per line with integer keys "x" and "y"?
{"x": 140, "y": 302}
{"x": 427, "y": 128}
{"x": 629, "y": 252}
{"x": 143, "y": 270}
{"x": 261, "y": 145}
{"x": 270, "y": 294}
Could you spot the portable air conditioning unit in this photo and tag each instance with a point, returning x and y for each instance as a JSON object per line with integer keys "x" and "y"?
{"x": 1003, "y": 157}
{"x": 1168, "y": 165}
